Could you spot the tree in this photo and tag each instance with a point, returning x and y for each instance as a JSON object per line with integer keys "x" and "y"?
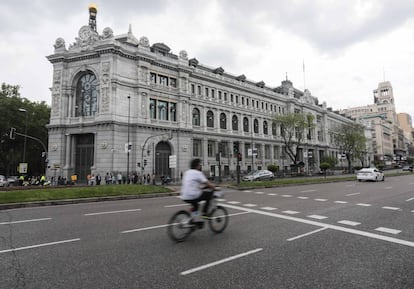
{"x": 331, "y": 161}
{"x": 11, "y": 151}
{"x": 350, "y": 139}
{"x": 295, "y": 129}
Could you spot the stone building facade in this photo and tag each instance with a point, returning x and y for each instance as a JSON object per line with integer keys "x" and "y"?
{"x": 120, "y": 104}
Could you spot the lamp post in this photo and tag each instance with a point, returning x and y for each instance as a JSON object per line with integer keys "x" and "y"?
{"x": 25, "y": 133}
{"x": 128, "y": 146}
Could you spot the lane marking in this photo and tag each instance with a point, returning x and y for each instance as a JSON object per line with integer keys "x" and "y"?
{"x": 220, "y": 262}
{"x": 290, "y": 212}
{"x": 388, "y": 230}
{"x": 166, "y": 225}
{"x": 353, "y": 194}
{"x": 112, "y": 212}
{"x": 303, "y": 198}
{"x": 25, "y": 221}
{"x": 409, "y": 199}
{"x": 259, "y": 193}
{"x": 221, "y": 200}
{"x": 350, "y": 223}
{"x": 249, "y": 205}
{"x": 268, "y": 208}
{"x": 307, "y": 234}
{"x": 39, "y": 245}
{"x": 364, "y": 205}
{"x": 286, "y": 196}
{"x": 234, "y": 202}
{"x": 178, "y": 205}
{"x": 247, "y": 191}
{"x": 318, "y": 217}
{"x": 271, "y": 194}
{"x": 308, "y": 191}
{"x": 341, "y": 202}
{"x": 321, "y": 200}
{"x": 388, "y": 188}
{"x": 329, "y": 226}
{"x": 391, "y": 208}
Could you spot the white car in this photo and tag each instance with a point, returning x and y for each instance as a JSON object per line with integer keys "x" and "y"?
{"x": 259, "y": 176}
{"x": 370, "y": 174}
{"x": 3, "y": 181}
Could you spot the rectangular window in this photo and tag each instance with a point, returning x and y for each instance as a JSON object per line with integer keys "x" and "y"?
{"x": 197, "y": 152}
{"x": 225, "y": 96}
{"x": 206, "y": 94}
{"x": 276, "y": 152}
{"x": 262, "y": 105}
{"x": 162, "y": 110}
{"x": 237, "y": 99}
{"x": 173, "y": 111}
{"x": 246, "y": 150}
{"x": 199, "y": 90}
{"x": 213, "y": 93}
{"x": 219, "y": 95}
{"x": 231, "y": 98}
{"x": 153, "y": 78}
{"x": 242, "y": 100}
{"x": 163, "y": 80}
{"x": 267, "y": 151}
{"x": 224, "y": 149}
{"x": 192, "y": 89}
{"x": 173, "y": 82}
{"x": 211, "y": 147}
{"x": 152, "y": 107}
{"x": 259, "y": 150}
{"x": 247, "y": 101}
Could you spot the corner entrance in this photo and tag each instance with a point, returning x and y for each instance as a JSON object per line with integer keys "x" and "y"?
{"x": 84, "y": 154}
{"x": 162, "y": 153}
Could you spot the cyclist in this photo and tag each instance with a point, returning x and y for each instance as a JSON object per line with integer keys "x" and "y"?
{"x": 196, "y": 187}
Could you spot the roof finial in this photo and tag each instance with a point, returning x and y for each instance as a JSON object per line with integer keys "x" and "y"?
{"x": 286, "y": 76}
{"x": 130, "y": 29}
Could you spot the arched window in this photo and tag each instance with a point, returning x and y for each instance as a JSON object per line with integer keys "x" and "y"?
{"x": 210, "y": 119}
{"x": 223, "y": 121}
{"x": 245, "y": 124}
{"x": 235, "y": 123}
{"x": 273, "y": 129}
{"x": 265, "y": 127}
{"x": 86, "y": 95}
{"x": 256, "y": 126}
{"x": 196, "y": 117}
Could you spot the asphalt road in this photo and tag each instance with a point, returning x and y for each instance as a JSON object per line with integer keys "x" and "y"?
{"x": 339, "y": 235}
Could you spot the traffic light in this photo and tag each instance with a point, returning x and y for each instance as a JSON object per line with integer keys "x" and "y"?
{"x": 145, "y": 163}
{"x": 12, "y": 133}
{"x": 235, "y": 148}
{"x": 239, "y": 157}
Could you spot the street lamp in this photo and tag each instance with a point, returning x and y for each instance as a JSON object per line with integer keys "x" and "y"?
{"x": 25, "y": 133}
{"x": 128, "y": 146}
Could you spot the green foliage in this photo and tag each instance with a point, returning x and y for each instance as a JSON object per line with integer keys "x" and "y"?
{"x": 273, "y": 168}
{"x": 324, "y": 166}
{"x": 11, "y": 151}
{"x": 296, "y": 129}
{"x": 332, "y": 161}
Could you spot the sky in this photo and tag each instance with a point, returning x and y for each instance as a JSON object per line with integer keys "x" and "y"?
{"x": 337, "y": 49}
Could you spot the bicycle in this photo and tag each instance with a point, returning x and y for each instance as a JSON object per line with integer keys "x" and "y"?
{"x": 182, "y": 224}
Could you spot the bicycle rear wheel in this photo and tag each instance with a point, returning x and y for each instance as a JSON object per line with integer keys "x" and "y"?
{"x": 218, "y": 219}
{"x": 179, "y": 226}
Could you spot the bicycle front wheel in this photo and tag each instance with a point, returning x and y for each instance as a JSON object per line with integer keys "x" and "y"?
{"x": 179, "y": 226}
{"x": 218, "y": 219}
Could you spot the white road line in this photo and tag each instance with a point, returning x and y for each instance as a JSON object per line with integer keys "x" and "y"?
{"x": 409, "y": 199}
{"x": 341, "y": 202}
{"x": 112, "y": 212}
{"x": 308, "y": 191}
{"x": 353, "y": 194}
{"x": 178, "y": 205}
{"x": 166, "y": 225}
{"x": 333, "y": 227}
{"x": 221, "y": 200}
{"x": 25, "y": 221}
{"x": 303, "y": 198}
{"x": 268, "y": 208}
{"x": 247, "y": 191}
{"x": 388, "y": 188}
{"x": 259, "y": 193}
{"x": 364, "y": 205}
{"x": 317, "y": 217}
{"x": 234, "y": 202}
{"x": 287, "y": 196}
{"x": 391, "y": 208}
{"x": 321, "y": 200}
{"x": 388, "y": 230}
{"x": 39, "y": 245}
{"x": 291, "y": 212}
{"x": 271, "y": 194}
{"x": 307, "y": 234}
{"x": 250, "y": 205}
{"x": 220, "y": 262}
{"x": 350, "y": 223}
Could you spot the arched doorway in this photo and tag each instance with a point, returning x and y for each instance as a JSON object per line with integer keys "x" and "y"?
{"x": 162, "y": 153}
{"x": 84, "y": 155}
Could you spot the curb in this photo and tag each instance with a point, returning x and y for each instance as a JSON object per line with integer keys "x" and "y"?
{"x": 85, "y": 200}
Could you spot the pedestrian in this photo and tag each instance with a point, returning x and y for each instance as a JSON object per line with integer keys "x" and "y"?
{"x": 148, "y": 179}
{"x": 98, "y": 179}
{"x": 119, "y": 177}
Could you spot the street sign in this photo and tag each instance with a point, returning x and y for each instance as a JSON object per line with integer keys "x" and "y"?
{"x": 251, "y": 152}
{"x": 173, "y": 161}
{"x": 22, "y": 168}
{"x": 128, "y": 147}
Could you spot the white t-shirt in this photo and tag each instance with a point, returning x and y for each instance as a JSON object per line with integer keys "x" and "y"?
{"x": 192, "y": 181}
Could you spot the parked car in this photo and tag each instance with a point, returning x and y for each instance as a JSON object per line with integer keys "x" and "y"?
{"x": 259, "y": 176}
{"x": 370, "y": 174}
{"x": 3, "y": 181}
{"x": 13, "y": 181}
{"x": 408, "y": 168}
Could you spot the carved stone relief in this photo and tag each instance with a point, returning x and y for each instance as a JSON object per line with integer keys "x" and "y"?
{"x": 56, "y": 91}
{"x": 105, "y": 86}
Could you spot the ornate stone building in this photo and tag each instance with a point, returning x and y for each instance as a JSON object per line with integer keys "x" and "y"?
{"x": 110, "y": 91}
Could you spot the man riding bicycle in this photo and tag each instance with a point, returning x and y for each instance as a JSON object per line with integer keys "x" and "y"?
{"x": 196, "y": 187}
